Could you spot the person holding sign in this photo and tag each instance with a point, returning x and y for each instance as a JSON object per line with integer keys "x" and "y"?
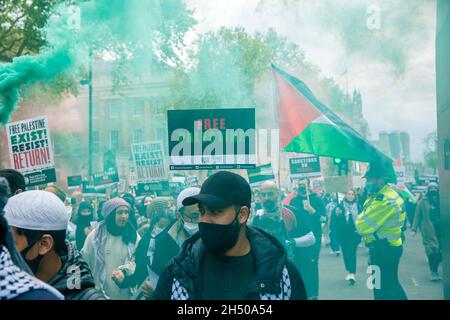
{"x": 310, "y": 203}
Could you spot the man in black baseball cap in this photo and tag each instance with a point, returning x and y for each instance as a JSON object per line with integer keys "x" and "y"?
{"x": 227, "y": 259}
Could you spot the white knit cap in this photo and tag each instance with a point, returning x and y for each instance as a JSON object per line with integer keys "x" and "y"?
{"x": 188, "y": 192}
{"x": 36, "y": 210}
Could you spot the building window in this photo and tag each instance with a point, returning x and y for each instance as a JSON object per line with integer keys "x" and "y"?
{"x": 138, "y": 108}
{"x": 137, "y": 136}
{"x": 95, "y": 112}
{"x": 156, "y": 105}
{"x": 95, "y": 141}
{"x": 114, "y": 139}
{"x": 114, "y": 109}
{"x": 160, "y": 134}
{"x": 76, "y": 138}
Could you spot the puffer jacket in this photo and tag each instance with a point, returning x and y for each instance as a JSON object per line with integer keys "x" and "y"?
{"x": 276, "y": 277}
{"x": 74, "y": 280}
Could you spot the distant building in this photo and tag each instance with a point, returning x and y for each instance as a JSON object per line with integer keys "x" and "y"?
{"x": 395, "y": 144}
{"x": 135, "y": 113}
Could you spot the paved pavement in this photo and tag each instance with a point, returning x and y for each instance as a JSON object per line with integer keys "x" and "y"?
{"x": 414, "y": 275}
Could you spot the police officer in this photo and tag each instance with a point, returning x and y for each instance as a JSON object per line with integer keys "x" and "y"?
{"x": 380, "y": 225}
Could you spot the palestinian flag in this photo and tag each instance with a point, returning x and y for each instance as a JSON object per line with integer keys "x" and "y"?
{"x": 308, "y": 126}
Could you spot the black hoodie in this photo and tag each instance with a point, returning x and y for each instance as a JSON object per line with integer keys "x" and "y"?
{"x": 275, "y": 274}
{"x": 74, "y": 280}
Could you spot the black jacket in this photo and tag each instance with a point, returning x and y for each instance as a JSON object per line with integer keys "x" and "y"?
{"x": 66, "y": 280}
{"x": 314, "y": 219}
{"x": 345, "y": 230}
{"x": 275, "y": 274}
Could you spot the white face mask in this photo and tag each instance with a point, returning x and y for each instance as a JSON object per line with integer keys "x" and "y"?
{"x": 191, "y": 227}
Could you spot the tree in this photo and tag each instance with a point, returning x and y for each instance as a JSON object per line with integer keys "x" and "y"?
{"x": 21, "y": 23}
{"x": 430, "y": 154}
{"x": 231, "y": 68}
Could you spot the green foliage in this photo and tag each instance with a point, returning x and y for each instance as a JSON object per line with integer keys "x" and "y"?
{"x": 229, "y": 67}
{"x": 21, "y": 24}
{"x": 139, "y": 33}
{"x": 431, "y": 154}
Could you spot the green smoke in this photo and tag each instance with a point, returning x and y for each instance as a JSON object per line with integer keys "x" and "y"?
{"x": 26, "y": 70}
{"x": 144, "y": 31}
{"x": 403, "y": 25}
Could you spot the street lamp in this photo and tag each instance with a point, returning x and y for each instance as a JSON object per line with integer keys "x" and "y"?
{"x": 89, "y": 83}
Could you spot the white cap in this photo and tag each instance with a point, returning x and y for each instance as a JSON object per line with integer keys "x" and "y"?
{"x": 36, "y": 210}
{"x": 188, "y": 192}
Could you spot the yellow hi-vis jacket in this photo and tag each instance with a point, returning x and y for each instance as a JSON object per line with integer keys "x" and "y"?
{"x": 383, "y": 214}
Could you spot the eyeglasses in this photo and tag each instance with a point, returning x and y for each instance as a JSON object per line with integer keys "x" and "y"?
{"x": 268, "y": 194}
{"x": 193, "y": 217}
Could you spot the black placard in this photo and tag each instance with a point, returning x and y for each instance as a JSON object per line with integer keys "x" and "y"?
{"x": 161, "y": 188}
{"x": 234, "y": 127}
{"x": 36, "y": 178}
{"x": 304, "y": 167}
{"x": 74, "y": 181}
{"x": 105, "y": 178}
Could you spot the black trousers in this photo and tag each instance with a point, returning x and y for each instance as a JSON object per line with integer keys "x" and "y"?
{"x": 434, "y": 259}
{"x": 312, "y": 282}
{"x": 307, "y": 262}
{"x": 349, "y": 249}
{"x": 387, "y": 258}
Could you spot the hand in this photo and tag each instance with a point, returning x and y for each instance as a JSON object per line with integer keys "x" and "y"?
{"x": 338, "y": 211}
{"x": 290, "y": 242}
{"x": 87, "y": 230}
{"x": 309, "y": 208}
{"x": 118, "y": 276}
{"x": 413, "y": 233}
{"x": 147, "y": 289}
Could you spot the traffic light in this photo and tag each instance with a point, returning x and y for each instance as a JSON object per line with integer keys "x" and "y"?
{"x": 109, "y": 160}
{"x": 342, "y": 165}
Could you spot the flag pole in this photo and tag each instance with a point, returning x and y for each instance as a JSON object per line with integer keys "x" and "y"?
{"x": 275, "y": 114}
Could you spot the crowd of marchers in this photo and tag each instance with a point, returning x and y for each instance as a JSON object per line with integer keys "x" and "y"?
{"x": 221, "y": 240}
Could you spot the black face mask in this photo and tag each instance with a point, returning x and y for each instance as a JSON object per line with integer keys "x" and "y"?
{"x": 219, "y": 238}
{"x": 33, "y": 264}
{"x": 270, "y": 205}
{"x": 85, "y": 219}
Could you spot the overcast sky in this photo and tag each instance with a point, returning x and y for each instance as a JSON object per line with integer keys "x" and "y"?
{"x": 392, "y": 101}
